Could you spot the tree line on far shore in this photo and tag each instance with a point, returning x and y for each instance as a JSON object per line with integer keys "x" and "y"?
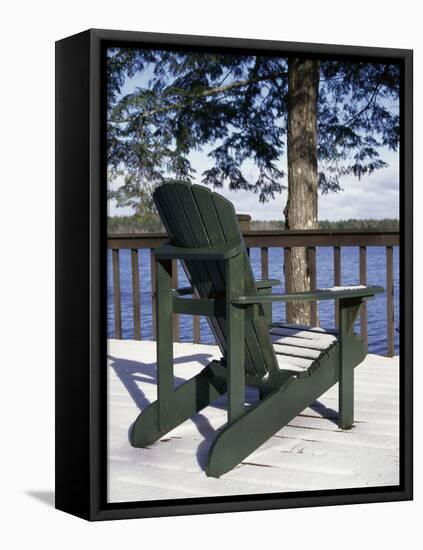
{"x": 387, "y": 223}
{"x": 150, "y": 223}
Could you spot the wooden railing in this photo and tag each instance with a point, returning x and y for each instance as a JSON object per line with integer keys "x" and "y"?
{"x": 263, "y": 240}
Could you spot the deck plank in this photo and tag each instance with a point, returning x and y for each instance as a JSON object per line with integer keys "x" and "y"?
{"x": 310, "y": 453}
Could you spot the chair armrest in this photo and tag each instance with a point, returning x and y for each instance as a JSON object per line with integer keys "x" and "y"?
{"x": 334, "y": 293}
{"x": 261, "y": 284}
{"x": 223, "y": 251}
{"x": 267, "y": 283}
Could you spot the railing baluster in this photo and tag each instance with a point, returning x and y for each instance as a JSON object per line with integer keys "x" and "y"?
{"x": 136, "y": 302}
{"x": 337, "y": 277}
{"x": 311, "y": 251}
{"x": 390, "y": 298}
{"x": 263, "y": 240}
{"x": 116, "y": 291}
{"x": 153, "y": 292}
{"x": 288, "y": 279}
{"x": 363, "y": 310}
{"x": 175, "y": 316}
{"x": 264, "y": 262}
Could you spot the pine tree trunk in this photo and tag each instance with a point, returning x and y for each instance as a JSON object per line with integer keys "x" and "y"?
{"x": 301, "y": 207}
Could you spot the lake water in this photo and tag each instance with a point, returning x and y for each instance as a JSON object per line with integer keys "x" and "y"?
{"x": 376, "y": 275}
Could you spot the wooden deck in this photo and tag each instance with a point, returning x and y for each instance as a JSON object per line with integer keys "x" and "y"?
{"x": 310, "y": 453}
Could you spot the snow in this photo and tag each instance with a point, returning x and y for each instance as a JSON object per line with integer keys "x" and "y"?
{"x": 310, "y": 453}
{"x": 340, "y": 288}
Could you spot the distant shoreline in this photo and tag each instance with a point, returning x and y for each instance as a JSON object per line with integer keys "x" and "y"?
{"x": 135, "y": 224}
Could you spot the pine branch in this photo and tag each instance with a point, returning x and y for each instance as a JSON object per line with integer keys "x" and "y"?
{"x": 366, "y": 107}
{"x": 249, "y": 91}
{"x": 206, "y": 93}
{"x": 341, "y": 140}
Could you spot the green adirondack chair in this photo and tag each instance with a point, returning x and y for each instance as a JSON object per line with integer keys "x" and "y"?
{"x": 290, "y": 365}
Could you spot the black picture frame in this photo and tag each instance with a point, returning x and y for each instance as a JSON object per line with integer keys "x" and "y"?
{"x": 81, "y": 472}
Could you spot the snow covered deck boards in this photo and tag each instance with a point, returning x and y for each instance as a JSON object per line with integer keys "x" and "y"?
{"x": 310, "y": 453}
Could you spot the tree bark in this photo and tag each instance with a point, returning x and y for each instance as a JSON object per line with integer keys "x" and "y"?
{"x": 301, "y": 208}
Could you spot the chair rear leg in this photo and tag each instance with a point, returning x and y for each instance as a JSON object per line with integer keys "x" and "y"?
{"x": 263, "y": 392}
{"x": 262, "y": 420}
{"x": 188, "y": 398}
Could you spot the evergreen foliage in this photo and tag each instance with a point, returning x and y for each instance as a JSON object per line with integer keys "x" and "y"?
{"x": 236, "y": 105}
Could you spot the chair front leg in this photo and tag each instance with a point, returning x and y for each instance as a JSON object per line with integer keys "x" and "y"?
{"x": 267, "y": 308}
{"x": 235, "y": 319}
{"x": 164, "y": 343}
{"x": 348, "y": 311}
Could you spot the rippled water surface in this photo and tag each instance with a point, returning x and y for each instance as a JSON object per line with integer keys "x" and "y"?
{"x": 376, "y": 274}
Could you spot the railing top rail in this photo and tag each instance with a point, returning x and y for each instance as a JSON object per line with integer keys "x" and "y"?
{"x": 282, "y": 232}
{"x": 276, "y": 238}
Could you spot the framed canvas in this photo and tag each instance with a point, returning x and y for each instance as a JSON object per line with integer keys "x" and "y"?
{"x": 233, "y": 274}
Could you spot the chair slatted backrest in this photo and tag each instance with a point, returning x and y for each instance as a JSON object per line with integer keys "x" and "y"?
{"x": 194, "y": 217}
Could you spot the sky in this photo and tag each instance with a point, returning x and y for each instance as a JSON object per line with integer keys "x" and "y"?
{"x": 375, "y": 196}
